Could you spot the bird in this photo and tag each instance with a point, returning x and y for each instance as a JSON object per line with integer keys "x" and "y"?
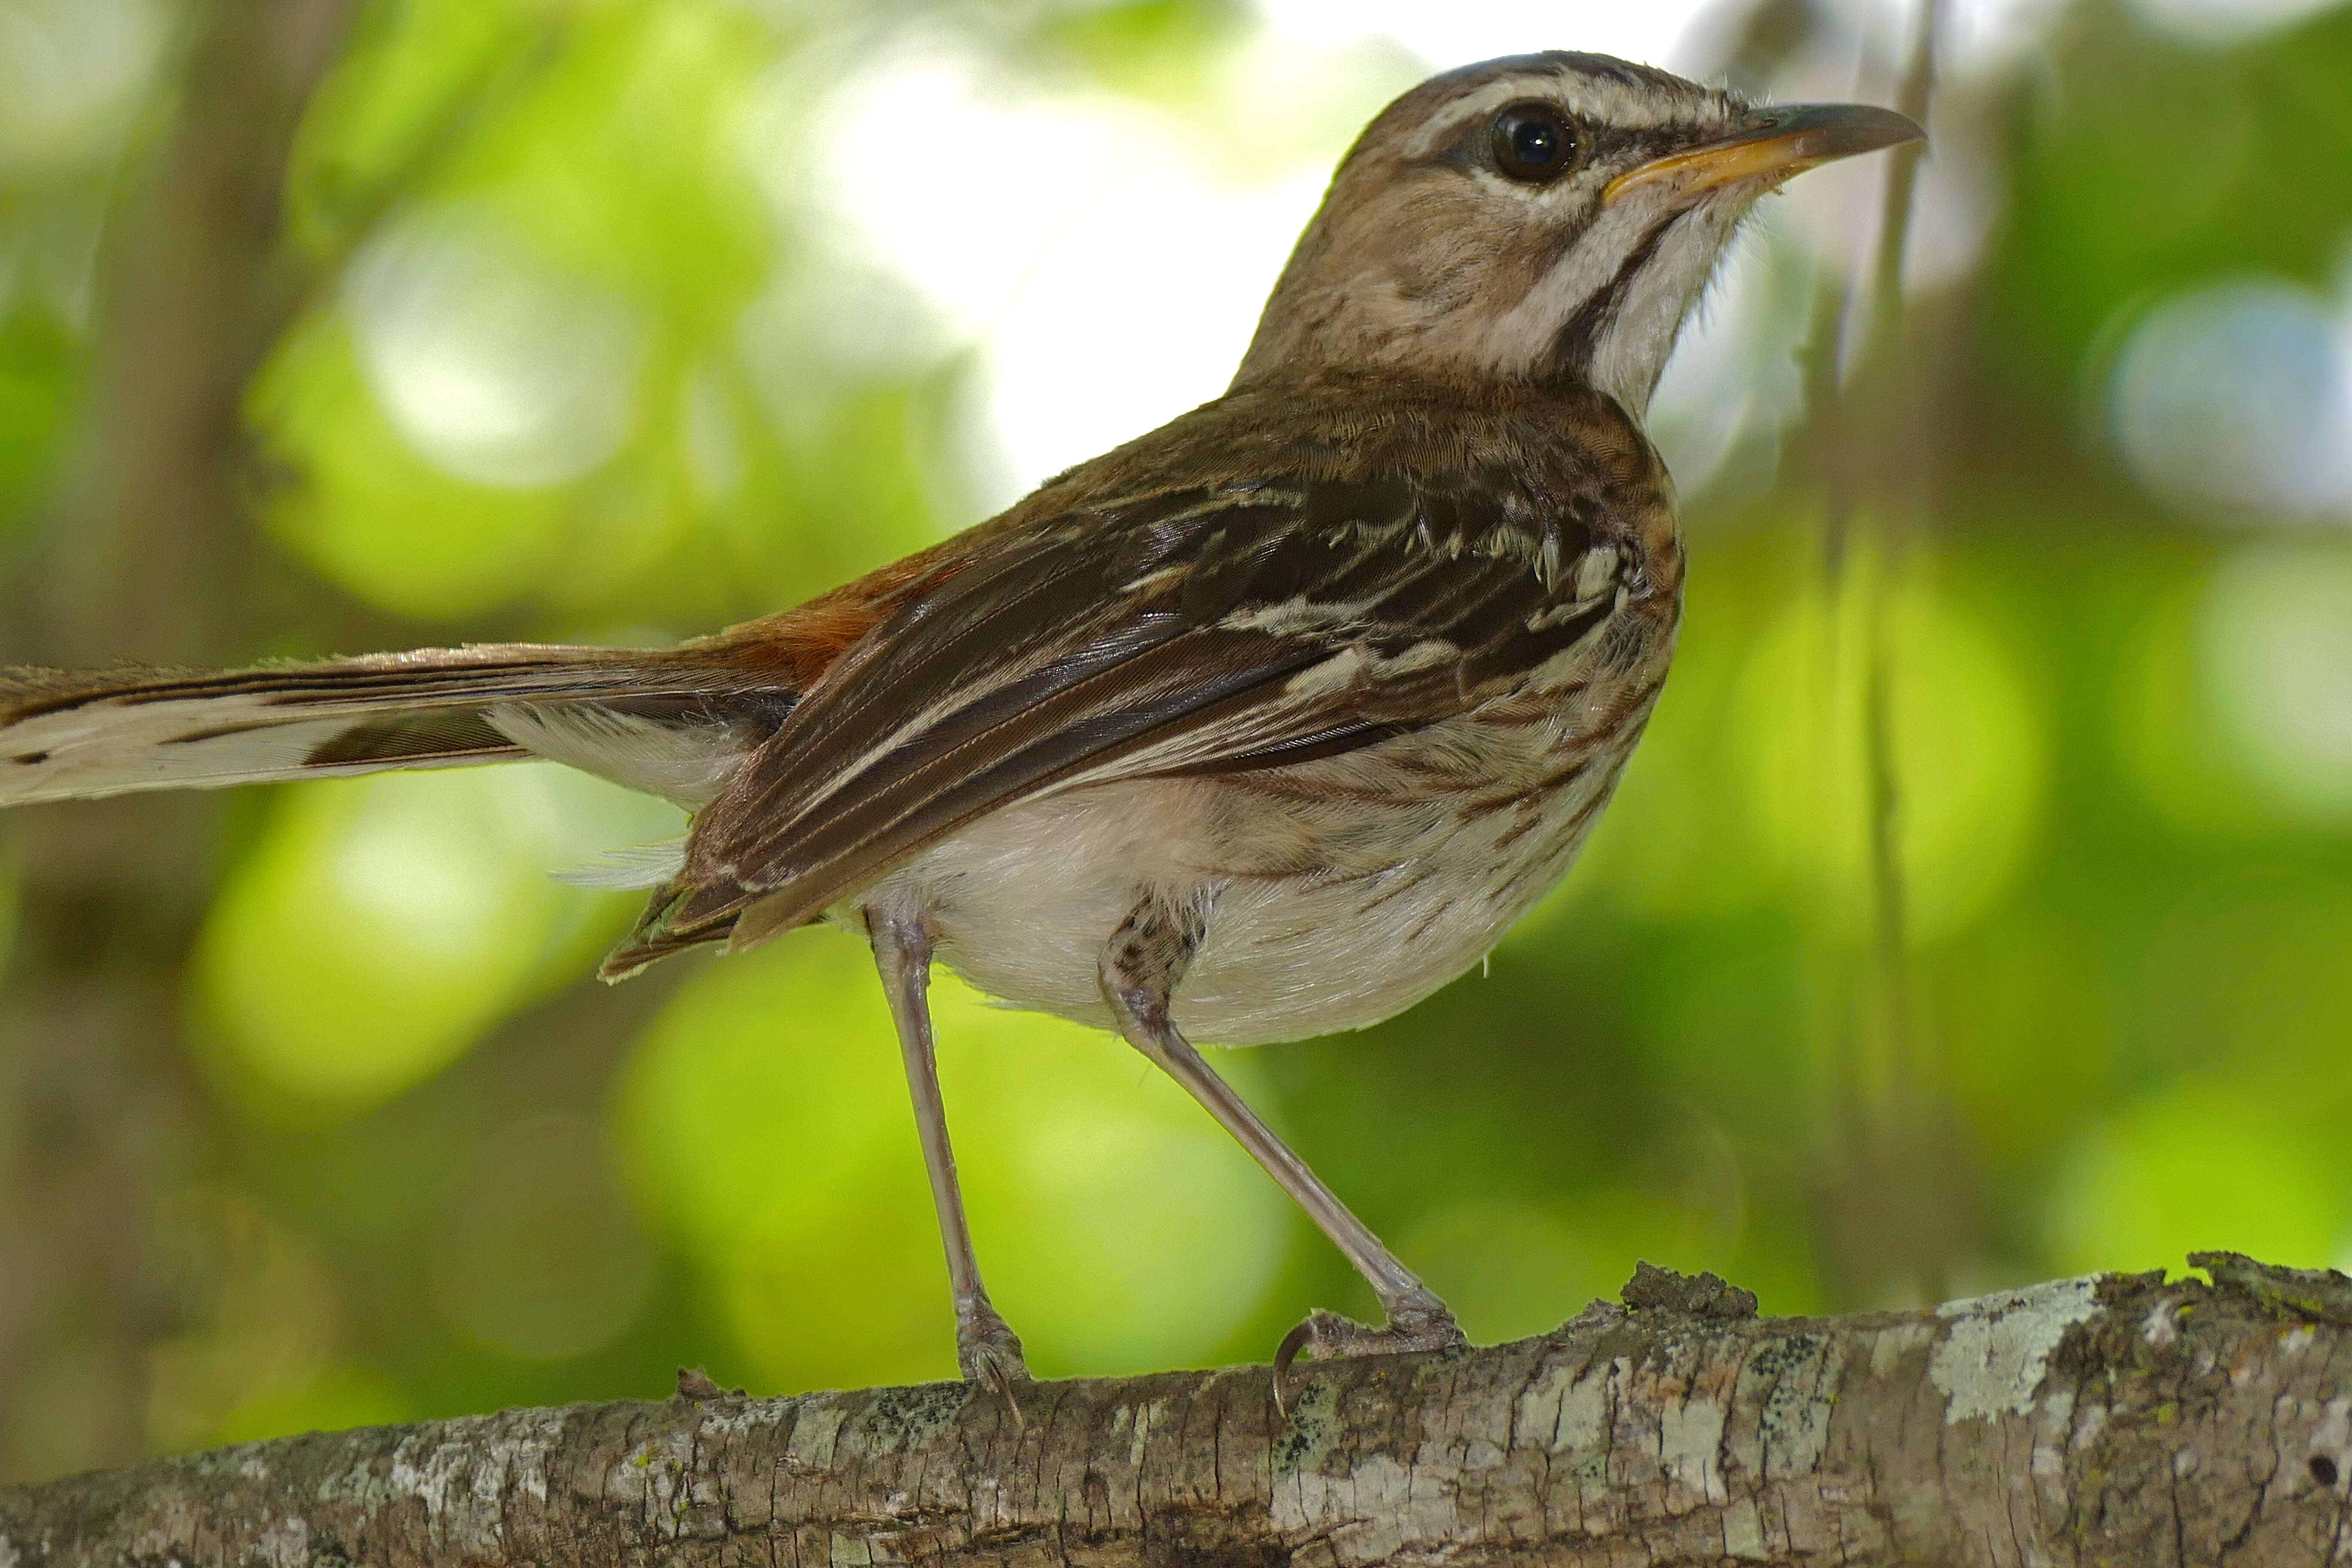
{"x": 1262, "y": 726}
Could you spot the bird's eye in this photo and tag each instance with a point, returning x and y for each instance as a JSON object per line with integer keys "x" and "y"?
{"x": 1532, "y": 141}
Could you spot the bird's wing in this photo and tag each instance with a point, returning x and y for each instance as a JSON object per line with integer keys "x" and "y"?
{"x": 1200, "y": 631}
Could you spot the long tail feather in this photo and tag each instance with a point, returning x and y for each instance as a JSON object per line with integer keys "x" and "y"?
{"x": 667, "y": 724}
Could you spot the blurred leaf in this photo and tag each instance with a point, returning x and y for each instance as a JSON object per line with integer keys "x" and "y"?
{"x": 2145, "y": 164}
{"x": 1967, "y": 750}
{"x": 539, "y": 1258}
{"x": 41, "y": 374}
{"x": 2167, "y": 1176}
{"x": 767, "y": 1124}
{"x": 1151, "y": 49}
{"x": 418, "y": 76}
{"x": 381, "y": 924}
{"x": 266, "y": 1321}
{"x": 338, "y": 1398}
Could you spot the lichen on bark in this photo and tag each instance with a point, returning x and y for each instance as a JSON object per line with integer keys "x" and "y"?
{"x": 2112, "y": 1419}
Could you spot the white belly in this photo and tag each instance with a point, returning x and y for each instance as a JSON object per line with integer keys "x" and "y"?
{"x": 1324, "y": 915}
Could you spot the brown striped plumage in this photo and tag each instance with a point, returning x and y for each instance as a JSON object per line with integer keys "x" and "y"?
{"x": 1170, "y": 624}
{"x": 1264, "y": 724}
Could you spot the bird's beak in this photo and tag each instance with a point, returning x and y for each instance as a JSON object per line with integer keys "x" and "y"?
{"x": 1779, "y": 143}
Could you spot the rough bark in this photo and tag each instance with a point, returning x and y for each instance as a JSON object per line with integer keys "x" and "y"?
{"x": 2117, "y": 1419}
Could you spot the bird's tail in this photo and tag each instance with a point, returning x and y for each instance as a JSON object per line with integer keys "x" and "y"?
{"x": 673, "y": 723}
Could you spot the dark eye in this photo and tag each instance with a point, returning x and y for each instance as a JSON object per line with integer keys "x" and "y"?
{"x": 1532, "y": 141}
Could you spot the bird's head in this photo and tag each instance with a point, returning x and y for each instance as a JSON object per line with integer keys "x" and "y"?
{"x": 1539, "y": 218}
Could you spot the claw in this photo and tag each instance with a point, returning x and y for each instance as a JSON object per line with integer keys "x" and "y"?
{"x": 989, "y": 1353}
{"x": 1284, "y": 1388}
{"x": 995, "y": 1374}
{"x": 1418, "y": 1324}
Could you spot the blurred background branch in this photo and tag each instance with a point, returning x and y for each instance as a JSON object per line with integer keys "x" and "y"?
{"x": 1973, "y": 912}
{"x": 144, "y": 557}
{"x": 1892, "y": 1199}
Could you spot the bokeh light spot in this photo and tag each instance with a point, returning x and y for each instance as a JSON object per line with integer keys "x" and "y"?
{"x": 70, "y": 76}
{"x": 495, "y": 366}
{"x": 1123, "y": 1229}
{"x": 1673, "y": 844}
{"x": 380, "y": 925}
{"x": 766, "y": 1078}
{"x": 374, "y": 517}
{"x": 2239, "y": 395}
{"x": 2276, "y": 657}
{"x": 264, "y": 1314}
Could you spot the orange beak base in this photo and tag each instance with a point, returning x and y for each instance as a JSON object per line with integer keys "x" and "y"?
{"x": 1789, "y": 141}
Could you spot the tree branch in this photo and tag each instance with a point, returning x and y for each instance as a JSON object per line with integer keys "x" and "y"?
{"x": 2117, "y": 1419}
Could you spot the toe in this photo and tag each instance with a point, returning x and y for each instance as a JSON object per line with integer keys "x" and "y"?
{"x": 989, "y": 1353}
{"x": 997, "y": 1374}
{"x": 1421, "y": 1324}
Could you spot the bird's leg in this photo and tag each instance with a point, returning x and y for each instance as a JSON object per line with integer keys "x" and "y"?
{"x": 1140, "y": 967}
{"x": 987, "y": 1349}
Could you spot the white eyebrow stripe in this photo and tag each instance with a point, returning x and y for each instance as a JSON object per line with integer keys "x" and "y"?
{"x": 1439, "y": 129}
{"x": 1599, "y": 99}
{"x": 1617, "y": 103}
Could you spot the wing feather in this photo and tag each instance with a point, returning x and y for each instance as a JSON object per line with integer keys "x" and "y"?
{"x": 1187, "y": 632}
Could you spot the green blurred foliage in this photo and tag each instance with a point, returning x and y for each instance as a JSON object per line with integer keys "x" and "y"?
{"x": 2143, "y": 164}
{"x": 596, "y": 154}
{"x": 664, "y": 392}
{"x": 38, "y": 375}
{"x": 766, "y": 1122}
{"x": 376, "y": 927}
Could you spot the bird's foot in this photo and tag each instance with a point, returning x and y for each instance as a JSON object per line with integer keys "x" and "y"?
{"x": 989, "y": 1351}
{"x": 1415, "y": 1322}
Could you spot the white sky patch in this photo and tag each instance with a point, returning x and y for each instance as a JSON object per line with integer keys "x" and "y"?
{"x": 1464, "y": 31}
{"x": 1976, "y": 32}
{"x": 1140, "y": 315}
{"x": 2225, "y": 21}
{"x": 971, "y": 230}
{"x": 1110, "y": 274}
{"x": 1107, "y": 260}
{"x": 70, "y": 75}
